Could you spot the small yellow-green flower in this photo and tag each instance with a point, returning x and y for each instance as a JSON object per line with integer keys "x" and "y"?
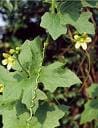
{"x": 8, "y": 60}
{"x": 17, "y": 50}
{"x": 12, "y": 51}
{"x": 1, "y": 88}
{"x": 82, "y": 40}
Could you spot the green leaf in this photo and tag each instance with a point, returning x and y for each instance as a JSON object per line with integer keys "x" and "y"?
{"x": 40, "y": 97}
{"x": 54, "y": 75}
{"x": 51, "y": 22}
{"x": 16, "y": 117}
{"x": 48, "y": 116}
{"x": 22, "y": 86}
{"x": 90, "y": 112}
{"x": 91, "y": 107}
{"x": 30, "y": 56}
{"x": 19, "y": 114}
{"x": 5, "y": 76}
{"x": 6, "y": 106}
{"x": 10, "y": 120}
{"x": 24, "y": 58}
{"x": 36, "y": 50}
{"x": 20, "y": 108}
{"x": 13, "y": 90}
{"x": 89, "y": 3}
{"x": 72, "y": 8}
{"x": 36, "y": 123}
{"x": 70, "y": 14}
{"x": 93, "y": 90}
{"x": 82, "y": 24}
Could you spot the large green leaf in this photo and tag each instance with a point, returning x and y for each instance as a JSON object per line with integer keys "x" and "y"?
{"x": 30, "y": 56}
{"x": 49, "y": 116}
{"x": 71, "y": 14}
{"x": 13, "y": 89}
{"x": 24, "y": 58}
{"x": 83, "y": 24}
{"x": 55, "y": 75}
{"x": 16, "y": 117}
{"x": 10, "y": 120}
{"x": 90, "y": 112}
{"x": 51, "y": 22}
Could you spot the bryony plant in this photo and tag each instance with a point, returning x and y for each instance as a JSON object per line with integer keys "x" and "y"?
{"x": 22, "y": 92}
{"x": 23, "y": 100}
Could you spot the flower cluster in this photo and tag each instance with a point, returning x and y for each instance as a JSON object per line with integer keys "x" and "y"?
{"x": 15, "y": 51}
{"x": 9, "y": 58}
{"x": 82, "y": 40}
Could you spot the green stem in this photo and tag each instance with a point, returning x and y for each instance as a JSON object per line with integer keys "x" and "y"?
{"x": 70, "y": 34}
{"x": 53, "y": 6}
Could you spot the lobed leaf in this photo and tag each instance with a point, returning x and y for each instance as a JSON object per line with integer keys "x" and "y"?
{"x": 82, "y": 24}
{"x": 51, "y": 22}
{"x": 13, "y": 120}
{"x": 48, "y": 116}
{"x": 55, "y": 75}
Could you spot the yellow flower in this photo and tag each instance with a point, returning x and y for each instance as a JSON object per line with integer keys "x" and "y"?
{"x": 1, "y": 88}
{"x": 8, "y": 60}
{"x": 82, "y": 40}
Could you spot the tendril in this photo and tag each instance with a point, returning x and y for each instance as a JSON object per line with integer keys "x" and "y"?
{"x": 34, "y": 91}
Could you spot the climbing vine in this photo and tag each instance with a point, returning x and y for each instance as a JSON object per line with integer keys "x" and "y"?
{"x": 31, "y": 87}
